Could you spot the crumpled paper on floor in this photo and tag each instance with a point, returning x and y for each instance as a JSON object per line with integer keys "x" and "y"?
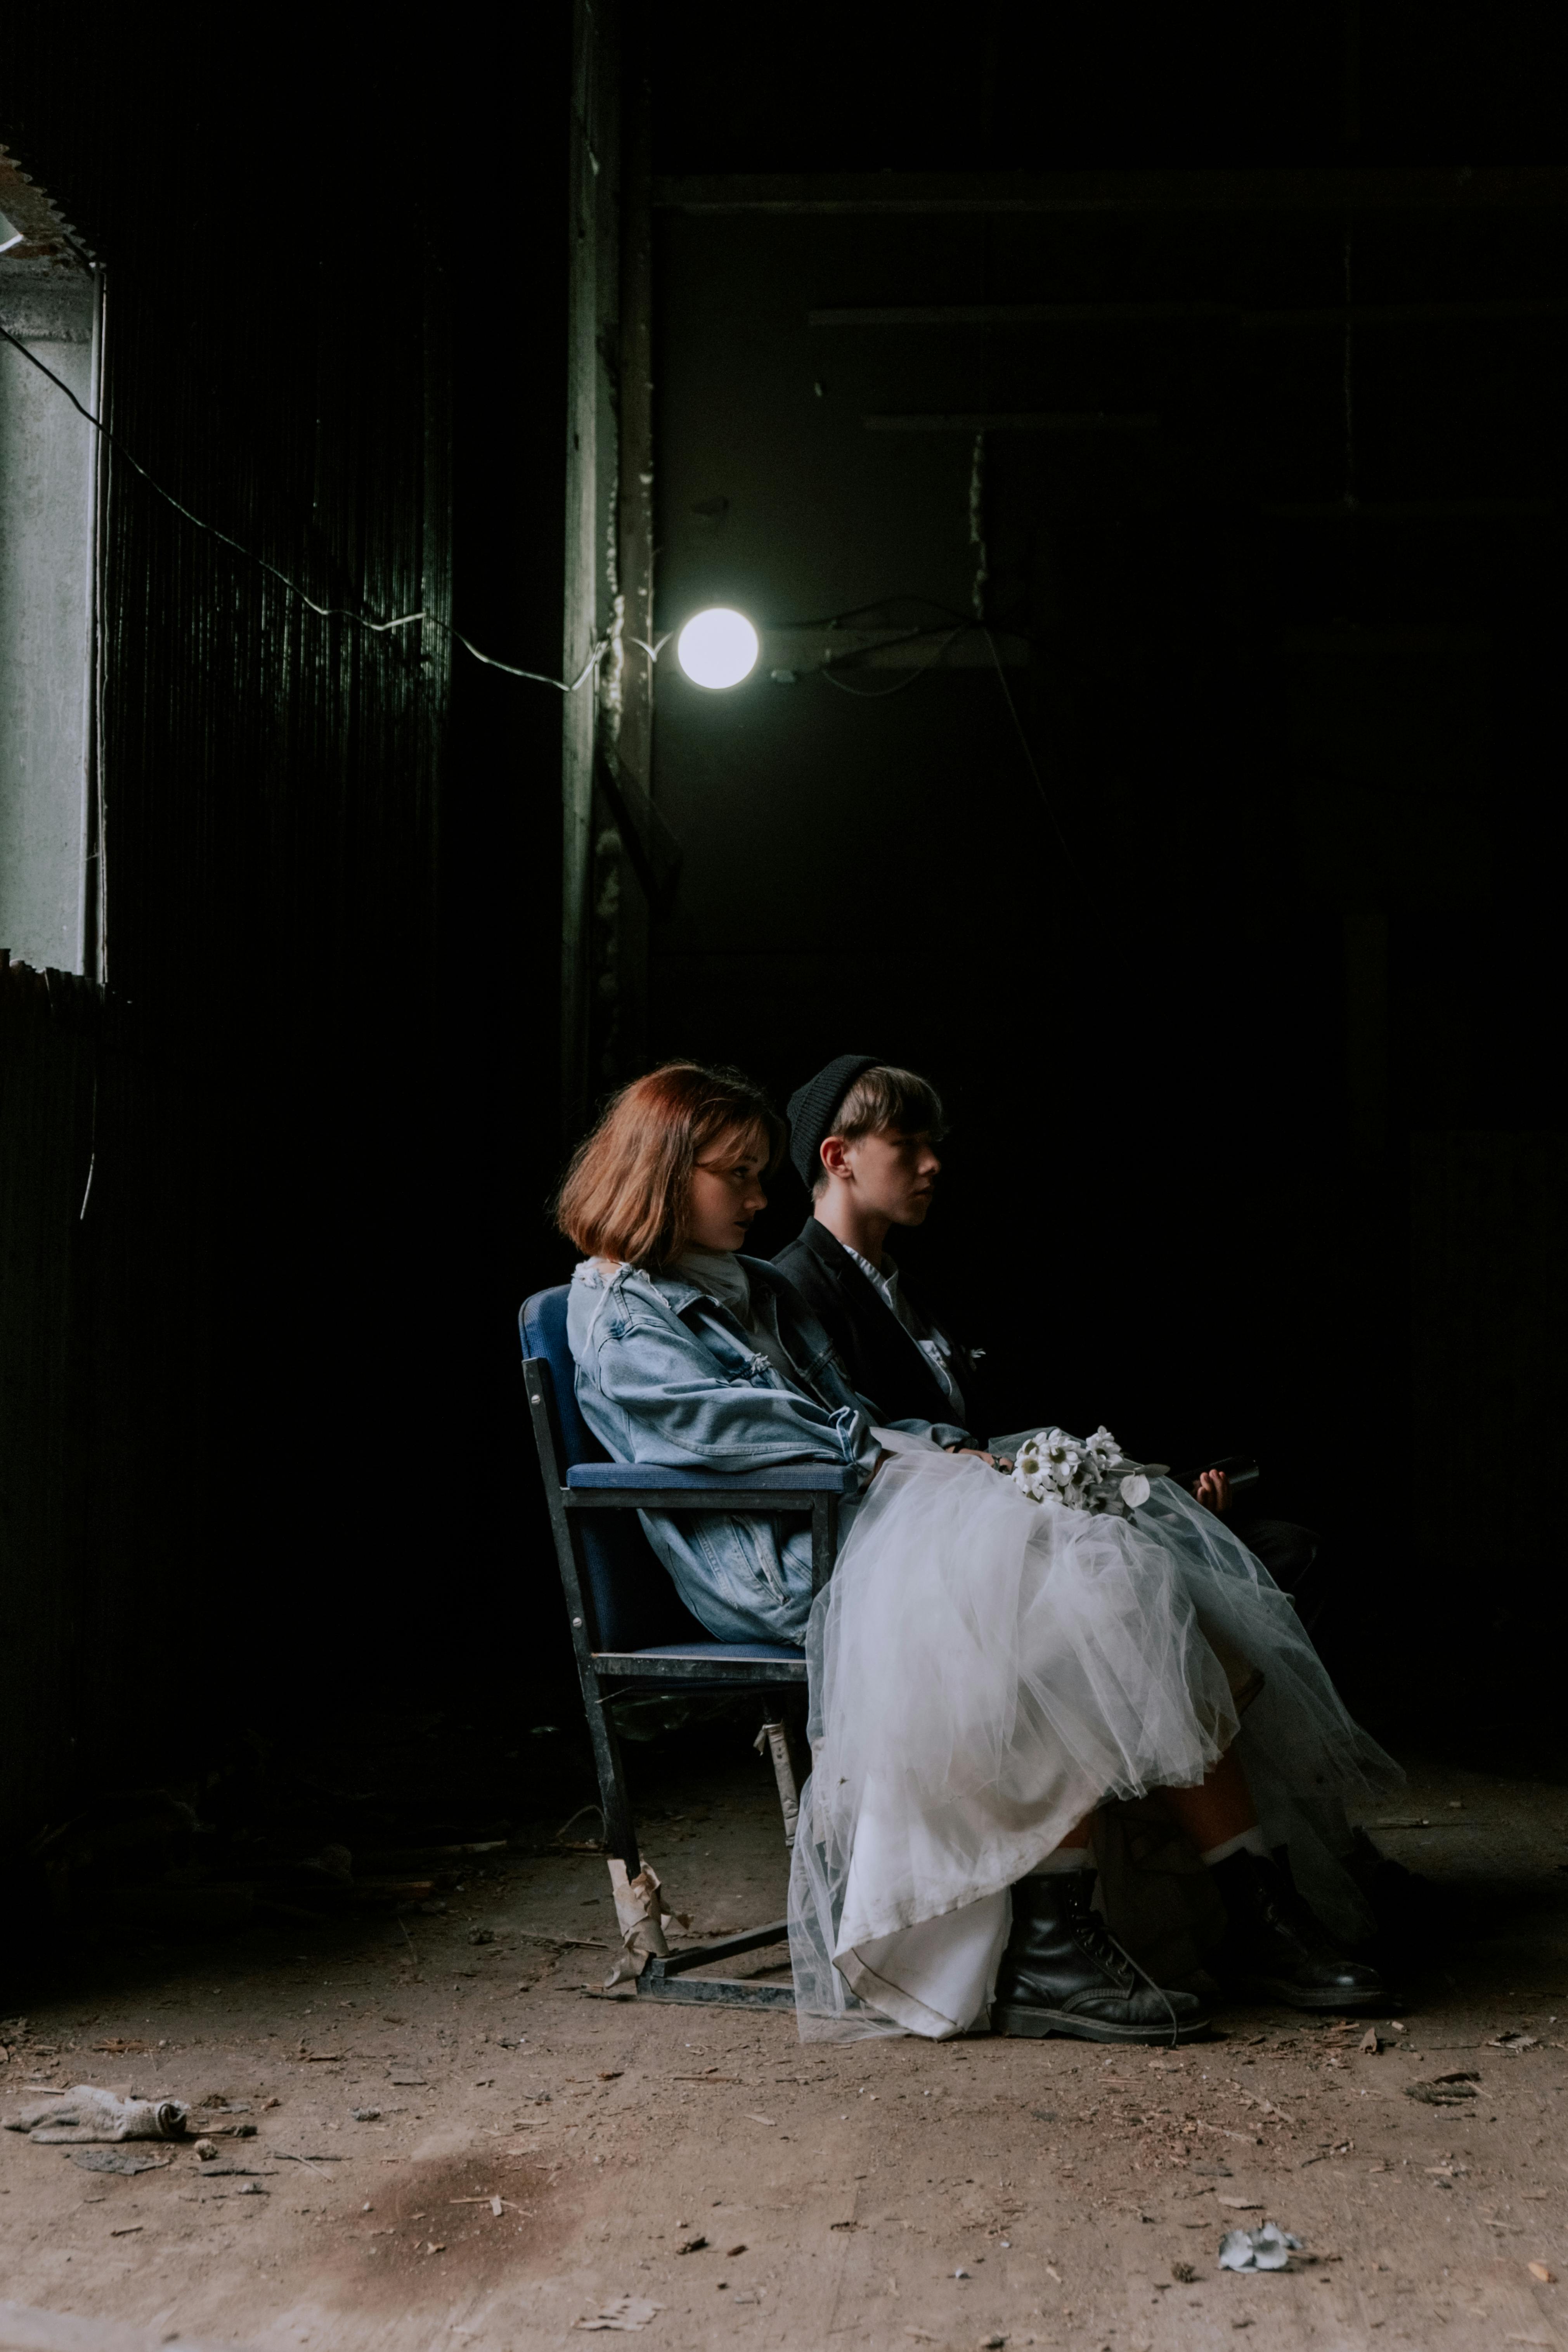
{"x": 1268, "y": 2249}
{"x": 119, "y": 2159}
{"x": 626, "y": 2312}
{"x": 85, "y": 2112}
{"x": 641, "y": 1921}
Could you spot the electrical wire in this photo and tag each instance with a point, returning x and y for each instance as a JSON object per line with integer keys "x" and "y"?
{"x": 539, "y": 678}
{"x": 880, "y": 693}
{"x": 852, "y": 612}
{"x": 597, "y": 655}
{"x": 324, "y": 611}
{"x": 1030, "y": 758}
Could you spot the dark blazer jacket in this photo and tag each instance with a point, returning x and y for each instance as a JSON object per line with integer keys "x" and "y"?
{"x": 882, "y": 1360}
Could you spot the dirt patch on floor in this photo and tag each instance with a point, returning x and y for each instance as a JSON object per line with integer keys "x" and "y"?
{"x": 436, "y": 2229}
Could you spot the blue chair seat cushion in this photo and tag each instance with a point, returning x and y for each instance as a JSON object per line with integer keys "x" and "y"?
{"x": 790, "y": 1478}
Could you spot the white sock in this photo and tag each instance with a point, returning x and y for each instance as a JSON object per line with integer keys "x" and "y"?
{"x": 1066, "y": 1857}
{"x": 1251, "y": 1841}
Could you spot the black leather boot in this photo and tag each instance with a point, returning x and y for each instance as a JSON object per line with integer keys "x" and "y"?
{"x": 1064, "y": 1973}
{"x": 1276, "y": 1950}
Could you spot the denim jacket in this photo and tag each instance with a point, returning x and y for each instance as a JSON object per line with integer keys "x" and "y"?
{"x": 667, "y": 1377}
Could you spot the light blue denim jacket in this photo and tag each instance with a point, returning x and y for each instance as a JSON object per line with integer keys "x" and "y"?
{"x": 667, "y": 1377}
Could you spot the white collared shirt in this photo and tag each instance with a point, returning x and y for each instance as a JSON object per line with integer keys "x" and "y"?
{"x": 933, "y": 1344}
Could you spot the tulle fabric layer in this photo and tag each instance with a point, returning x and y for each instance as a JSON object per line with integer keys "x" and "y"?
{"x": 985, "y": 1670}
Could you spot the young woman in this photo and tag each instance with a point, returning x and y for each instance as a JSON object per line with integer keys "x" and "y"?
{"x": 985, "y": 1670}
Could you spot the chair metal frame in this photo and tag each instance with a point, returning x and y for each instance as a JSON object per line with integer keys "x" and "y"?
{"x": 571, "y": 1490}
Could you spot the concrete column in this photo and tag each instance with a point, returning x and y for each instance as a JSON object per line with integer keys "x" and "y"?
{"x": 48, "y": 466}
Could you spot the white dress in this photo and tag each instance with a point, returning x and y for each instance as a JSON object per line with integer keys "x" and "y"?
{"x": 985, "y": 1670}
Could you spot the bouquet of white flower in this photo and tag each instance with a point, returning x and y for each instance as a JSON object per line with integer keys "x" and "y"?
{"x": 1086, "y": 1473}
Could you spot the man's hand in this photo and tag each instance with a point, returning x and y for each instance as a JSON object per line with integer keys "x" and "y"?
{"x": 1213, "y": 1491}
{"x": 989, "y": 1459}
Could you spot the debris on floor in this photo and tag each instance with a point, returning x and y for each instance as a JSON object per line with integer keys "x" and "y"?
{"x": 83, "y": 2112}
{"x": 1062, "y": 2182}
{"x": 626, "y": 2312}
{"x": 1268, "y": 2249}
{"x": 641, "y": 1919}
{"x": 119, "y": 2159}
{"x": 1444, "y": 2090}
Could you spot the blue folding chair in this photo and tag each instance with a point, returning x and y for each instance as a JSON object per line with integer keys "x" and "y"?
{"x": 630, "y": 1627}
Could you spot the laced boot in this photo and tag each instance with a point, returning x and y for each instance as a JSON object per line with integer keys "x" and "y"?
{"x": 1064, "y": 1973}
{"x": 1278, "y": 1949}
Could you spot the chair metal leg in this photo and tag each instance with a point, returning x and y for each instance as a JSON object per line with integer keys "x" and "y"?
{"x": 670, "y": 1979}
{"x": 620, "y": 1834}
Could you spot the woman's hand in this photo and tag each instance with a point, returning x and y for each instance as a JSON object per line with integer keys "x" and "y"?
{"x": 1213, "y": 1491}
{"x": 989, "y": 1459}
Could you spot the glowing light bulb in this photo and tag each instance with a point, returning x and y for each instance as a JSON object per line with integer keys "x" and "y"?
{"x": 717, "y": 647}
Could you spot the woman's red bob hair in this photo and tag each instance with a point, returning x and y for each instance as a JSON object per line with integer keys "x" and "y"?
{"x": 627, "y": 1193}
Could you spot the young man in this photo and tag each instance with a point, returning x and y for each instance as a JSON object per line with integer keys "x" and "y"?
{"x": 863, "y": 1137}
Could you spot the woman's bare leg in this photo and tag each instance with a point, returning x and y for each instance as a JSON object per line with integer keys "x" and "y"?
{"x": 1219, "y": 1812}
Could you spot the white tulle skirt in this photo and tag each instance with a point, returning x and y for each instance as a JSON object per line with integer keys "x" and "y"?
{"x": 985, "y": 1672}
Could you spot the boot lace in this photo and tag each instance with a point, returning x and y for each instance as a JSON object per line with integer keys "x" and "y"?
{"x": 1095, "y": 1939}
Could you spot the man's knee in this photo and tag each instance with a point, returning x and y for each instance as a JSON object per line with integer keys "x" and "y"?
{"x": 1288, "y": 1552}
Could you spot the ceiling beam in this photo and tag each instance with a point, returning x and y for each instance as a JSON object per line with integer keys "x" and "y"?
{"x": 1003, "y": 315}
{"x": 1457, "y": 188}
{"x": 1010, "y": 420}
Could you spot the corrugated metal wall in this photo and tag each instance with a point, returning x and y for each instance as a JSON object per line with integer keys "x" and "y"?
{"x": 271, "y": 777}
{"x": 180, "y": 1360}
{"x": 104, "y": 1391}
{"x": 255, "y": 1399}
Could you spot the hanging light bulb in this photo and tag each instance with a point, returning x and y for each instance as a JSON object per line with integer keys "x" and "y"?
{"x": 717, "y": 647}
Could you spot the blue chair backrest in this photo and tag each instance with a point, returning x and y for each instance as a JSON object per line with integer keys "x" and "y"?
{"x": 543, "y": 1326}
{"x": 635, "y": 1604}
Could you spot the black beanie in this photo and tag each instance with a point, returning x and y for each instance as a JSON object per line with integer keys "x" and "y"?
{"x": 814, "y": 1106}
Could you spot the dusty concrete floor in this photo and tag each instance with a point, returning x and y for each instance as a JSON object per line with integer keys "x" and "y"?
{"x": 886, "y": 2195}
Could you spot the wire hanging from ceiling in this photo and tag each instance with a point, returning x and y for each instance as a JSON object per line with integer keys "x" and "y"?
{"x": 597, "y": 651}
{"x": 325, "y": 612}
{"x": 882, "y": 693}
